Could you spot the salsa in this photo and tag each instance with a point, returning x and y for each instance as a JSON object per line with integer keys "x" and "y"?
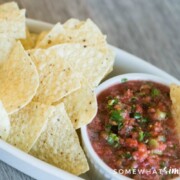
{"x": 134, "y": 130}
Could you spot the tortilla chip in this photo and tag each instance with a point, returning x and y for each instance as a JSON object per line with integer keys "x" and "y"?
{"x": 175, "y": 97}
{"x": 72, "y": 23}
{"x": 30, "y": 41}
{"x": 51, "y": 36}
{"x": 41, "y": 36}
{"x": 81, "y": 105}
{"x": 110, "y": 54}
{"x": 59, "y": 144}
{"x": 88, "y": 61}
{"x": 75, "y": 31}
{"x": 8, "y": 7}
{"x": 13, "y": 24}
{"x": 27, "y": 125}
{"x": 4, "y": 123}
{"x": 34, "y": 38}
{"x": 19, "y": 80}
{"x": 86, "y": 33}
{"x": 6, "y": 45}
{"x": 57, "y": 79}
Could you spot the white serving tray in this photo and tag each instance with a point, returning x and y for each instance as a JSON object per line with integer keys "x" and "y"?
{"x": 124, "y": 63}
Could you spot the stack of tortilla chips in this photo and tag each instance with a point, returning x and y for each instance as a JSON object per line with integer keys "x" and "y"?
{"x": 47, "y": 84}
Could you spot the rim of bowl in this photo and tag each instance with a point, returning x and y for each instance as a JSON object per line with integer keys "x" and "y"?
{"x": 103, "y": 86}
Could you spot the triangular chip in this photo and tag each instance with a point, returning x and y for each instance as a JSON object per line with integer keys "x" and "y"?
{"x": 72, "y": 23}
{"x": 59, "y": 144}
{"x": 13, "y": 24}
{"x": 27, "y": 125}
{"x": 4, "y": 123}
{"x": 50, "y": 37}
{"x": 88, "y": 61}
{"x": 86, "y": 33}
{"x": 110, "y": 54}
{"x": 30, "y": 41}
{"x": 57, "y": 79}
{"x": 41, "y": 36}
{"x": 81, "y": 105}
{"x": 19, "y": 80}
{"x": 175, "y": 97}
{"x": 75, "y": 31}
{"x": 6, "y": 45}
{"x": 8, "y": 7}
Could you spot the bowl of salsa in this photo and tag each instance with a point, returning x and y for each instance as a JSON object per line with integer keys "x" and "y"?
{"x": 133, "y": 133}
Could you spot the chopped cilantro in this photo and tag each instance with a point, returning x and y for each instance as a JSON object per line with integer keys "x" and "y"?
{"x": 134, "y": 99}
{"x": 120, "y": 125}
{"x": 116, "y": 116}
{"x": 147, "y": 134}
{"x": 137, "y": 115}
{"x": 113, "y": 102}
{"x": 155, "y": 92}
{"x": 133, "y": 107}
{"x": 124, "y": 80}
{"x": 113, "y": 139}
{"x": 144, "y": 120}
{"x": 127, "y": 155}
{"x": 141, "y": 136}
{"x": 108, "y": 127}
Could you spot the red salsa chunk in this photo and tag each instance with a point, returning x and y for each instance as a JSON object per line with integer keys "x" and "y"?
{"x": 134, "y": 129}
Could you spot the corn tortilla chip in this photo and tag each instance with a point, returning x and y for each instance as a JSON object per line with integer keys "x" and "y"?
{"x": 59, "y": 144}
{"x": 72, "y": 23}
{"x": 19, "y": 80}
{"x": 57, "y": 79}
{"x": 40, "y": 37}
{"x": 75, "y": 31}
{"x": 4, "y": 123}
{"x": 6, "y": 45}
{"x": 34, "y": 38}
{"x": 88, "y": 61}
{"x": 13, "y": 24}
{"x": 175, "y": 97}
{"x": 86, "y": 33}
{"x": 110, "y": 54}
{"x": 27, "y": 125}
{"x": 8, "y": 7}
{"x": 81, "y": 105}
{"x": 51, "y": 36}
{"x": 30, "y": 41}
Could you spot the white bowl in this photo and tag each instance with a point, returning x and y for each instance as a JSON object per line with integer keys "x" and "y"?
{"x": 98, "y": 168}
{"x": 124, "y": 63}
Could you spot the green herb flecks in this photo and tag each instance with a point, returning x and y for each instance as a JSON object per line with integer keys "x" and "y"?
{"x": 112, "y": 102}
{"x": 108, "y": 127}
{"x": 155, "y": 92}
{"x": 140, "y": 118}
{"x": 144, "y": 120}
{"x": 137, "y": 115}
{"x": 141, "y": 136}
{"x": 124, "y": 80}
{"x": 127, "y": 155}
{"x": 116, "y": 116}
{"x": 113, "y": 140}
{"x": 134, "y": 99}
